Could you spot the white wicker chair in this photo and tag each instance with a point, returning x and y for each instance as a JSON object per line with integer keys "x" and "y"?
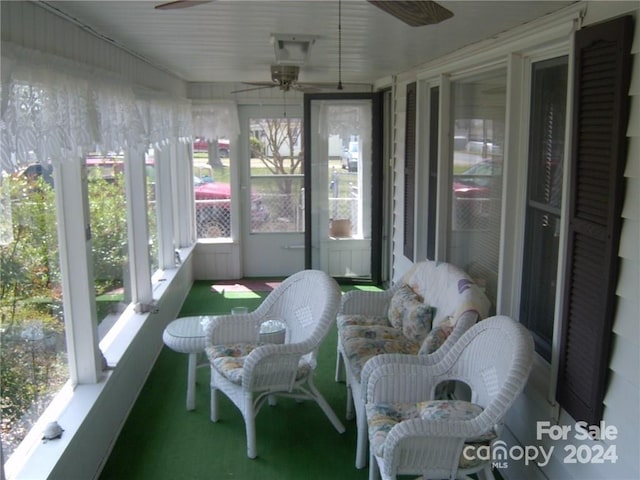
{"x": 249, "y": 372}
{"x": 439, "y": 284}
{"x": 494, "y": 358}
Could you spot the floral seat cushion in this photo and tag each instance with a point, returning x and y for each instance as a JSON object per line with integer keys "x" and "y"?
{"x": 358, "y": 319}
{"x": 229, "y": 359}
{"x": 235, "y": 350}
{"x": 360, "y": 343}
{"x": 371, "y": 332}
{"x": 381, "y": 418}
{"x": 403, "y": 330}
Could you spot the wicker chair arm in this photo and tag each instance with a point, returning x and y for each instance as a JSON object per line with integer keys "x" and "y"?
{"x": 233, "y": 329}
{"x": 461, "y": 429}
{"x": 464, "y": 323}
{"x": 401, "y": 362}
{"x": 366, "y": 303}
{"x": 272, "y": 365}
{"x": 436, "y": 444}
{"x": 396, "y": 361}
{"x": 411, "y": 380}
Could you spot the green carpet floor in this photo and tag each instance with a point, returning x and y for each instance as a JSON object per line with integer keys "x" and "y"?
{"x": 161, "y": 440}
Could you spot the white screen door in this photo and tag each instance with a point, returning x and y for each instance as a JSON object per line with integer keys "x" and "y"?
{"x": 271, "y": 190}
{"x": 341, "y": 184}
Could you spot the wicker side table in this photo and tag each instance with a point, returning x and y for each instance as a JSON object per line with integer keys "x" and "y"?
{"x": 186, "y": 335}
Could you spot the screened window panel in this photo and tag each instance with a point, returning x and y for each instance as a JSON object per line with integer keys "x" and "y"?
{"x": 32, "y": 328}
{"x": 276, "y": 175}
{"x": 478, "y": 116}
{"x": 212, "y": 187}
{"x": 410, "y": 172}
{"x": 542, "y": 223}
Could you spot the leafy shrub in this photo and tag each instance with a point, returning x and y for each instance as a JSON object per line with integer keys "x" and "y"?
{"x": 32, "y": 354}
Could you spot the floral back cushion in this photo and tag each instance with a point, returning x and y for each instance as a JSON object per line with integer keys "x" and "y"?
{"x": 407, "y": 312}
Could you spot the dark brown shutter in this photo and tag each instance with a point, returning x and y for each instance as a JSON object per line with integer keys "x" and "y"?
{"x": 410, "y": 172}
{"x": 601, "y": 108}
{"x": 434, "y": 115}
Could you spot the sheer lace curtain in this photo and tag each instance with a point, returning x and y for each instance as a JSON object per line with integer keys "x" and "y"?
{"x": 214, "y": 120}
{"x": 53, "y": 110}
{"x": 46, "y": 115}
{"x": 164, "y": 121}
{"x": 345, "y": 118}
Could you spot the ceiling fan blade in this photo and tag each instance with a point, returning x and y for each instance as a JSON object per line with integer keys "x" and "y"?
{"x": 254, "y": 88}
{"x": 180, "y": 4}
{"x": 306, "y": 87}
{"x": 333, "y": 85}
{"x": 415, "y": 13}
{"x": 262, "y": 84}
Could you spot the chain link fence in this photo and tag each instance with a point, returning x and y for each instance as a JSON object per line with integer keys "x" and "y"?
{"x": 476, "y": 201}
{"x": 344, "y": 203}
{"x": 277, "y": 206}
{"x": 277, "y": 203}
{"x": 213, "y": 218}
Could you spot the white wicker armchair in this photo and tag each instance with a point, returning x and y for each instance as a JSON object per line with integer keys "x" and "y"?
{"x": 458, "y": 302}
{"x": 413, "y": 435}
{"x": 249, "y": 372}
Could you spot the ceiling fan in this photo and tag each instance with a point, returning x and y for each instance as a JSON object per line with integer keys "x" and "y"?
{"x": 415, "y": 13}
{"x": 285, "y": 77}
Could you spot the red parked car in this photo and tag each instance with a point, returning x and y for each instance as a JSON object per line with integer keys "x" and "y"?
{"x": 475, "y": 193}
{"x": 213, "y": 209}
{"x": 201, "y": 145}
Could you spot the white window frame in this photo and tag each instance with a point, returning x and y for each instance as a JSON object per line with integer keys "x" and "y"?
{"x": 512, "y": 302}
{"x": 537, "y": 43}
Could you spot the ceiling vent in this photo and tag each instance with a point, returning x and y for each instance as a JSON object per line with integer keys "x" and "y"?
{"x": 292, "y": 49}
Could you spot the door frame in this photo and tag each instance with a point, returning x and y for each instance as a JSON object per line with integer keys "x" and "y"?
{"x": 376, "y": 176}
{"x": 267, "y": 254}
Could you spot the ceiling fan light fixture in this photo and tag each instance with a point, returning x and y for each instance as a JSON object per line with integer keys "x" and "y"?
{"x": 284, "y": 75}
{"x": 292, "y": 49}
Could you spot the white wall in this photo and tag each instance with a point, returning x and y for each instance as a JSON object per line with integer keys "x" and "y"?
{"x": 90, "y": 446}
{"x": 217, "y": 260}
{"x": 95, "y": 413}
{"x": 622, "y": 401}
{"x": 31, "y": 26}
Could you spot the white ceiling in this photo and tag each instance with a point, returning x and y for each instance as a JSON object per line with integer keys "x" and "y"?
{"x": 229, "y": 40}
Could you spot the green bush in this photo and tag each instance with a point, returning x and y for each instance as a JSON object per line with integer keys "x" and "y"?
{"x": 107, "y": 209}
{"x": 32, "y": 354}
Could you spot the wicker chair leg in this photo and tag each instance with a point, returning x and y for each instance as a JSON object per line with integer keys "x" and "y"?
{"x": 326, "y": 408}
{"x": 487, "y": 473}
{"x": 362, "y": 441}
{"x": 339, "y": 366}
{"x": 374, "y": 470}
{"x": 250, "y": 427}
{"x": 349, "y": 413}
{"x": 214, "y": 404}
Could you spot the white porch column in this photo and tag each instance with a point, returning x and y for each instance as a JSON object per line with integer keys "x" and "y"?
{"x": 183, "y": 196}
{"x": 164, "y": 211}
{"x": 137, "y": 227}
{"x": 76, "y": 268}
